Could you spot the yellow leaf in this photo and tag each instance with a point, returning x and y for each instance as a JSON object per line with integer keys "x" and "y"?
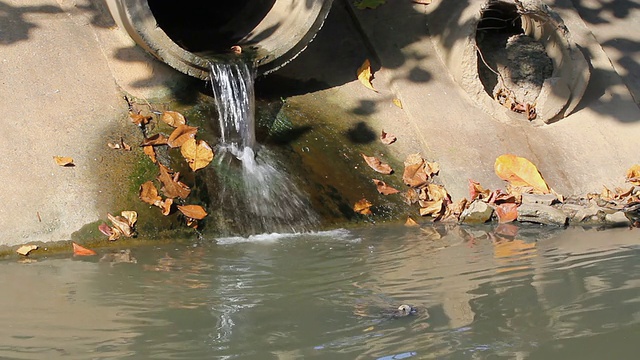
{"x": 24, "y": 250}
{"x": 362, "y": 207}
{"x": 198, "y": 154}
{"x": 410, "y": 222}
{"x": 64, "y": 161}
{"x": 519, "y": 171}
{"x": 633, "y": 174}
{"x": 365, "y": 75}
{"x": 397, "y": 103}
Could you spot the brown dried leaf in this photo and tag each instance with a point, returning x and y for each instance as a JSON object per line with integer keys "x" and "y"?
{"x": 507, "y": 212}
{"x": 387, "y": 138}
{"x": 166, "y": 206}
{"x": 105, "y": 229}
{"x": 140, "y": 120}
{"x": 633, "y": 175}
{"x": 149, "y": 194}
{"x": 24, "y": 250}
{"x": 193, "y": 211}
{"x": 432, "y": 208}
{"x": 410, "y": 222}
{"x": 131, "y": 217}
{"x": 173, "y": 118}
{"x": 181, "y": 134}
{"x": 157, "y": 139}
{"x": 64, "y": 161}
{"x": 170, "y": 186}
{"x": 383, "y": 188}
{"x": 431, "y": 168}
{"x": 365, "y": 76}
{"x": 197, "y": 153}
{"x": 377, "y": 165}
{"x": 411, "y": 196}
{"x": 436, "y": 193}
{"x": 363, "y": 206}
{"x": 148, "y": 149}
{"x": 477, "y": 191}
{"x": 455, "y": 209}
{"x": 414, "y": 174}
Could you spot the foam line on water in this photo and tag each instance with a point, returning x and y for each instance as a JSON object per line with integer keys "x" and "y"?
{"x": 337, "y": 234}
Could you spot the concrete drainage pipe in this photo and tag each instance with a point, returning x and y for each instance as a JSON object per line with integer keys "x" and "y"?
{"x": 184, "y": 34}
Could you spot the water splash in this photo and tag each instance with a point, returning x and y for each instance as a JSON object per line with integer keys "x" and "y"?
{"x": 256, "y": 193}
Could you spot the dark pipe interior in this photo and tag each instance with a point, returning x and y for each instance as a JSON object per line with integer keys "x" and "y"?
{"x": 208, "y": 26}
{"x": 499, "y": 21}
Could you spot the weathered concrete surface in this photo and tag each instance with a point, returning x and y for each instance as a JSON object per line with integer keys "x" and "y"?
{"x": 63, "y": 65}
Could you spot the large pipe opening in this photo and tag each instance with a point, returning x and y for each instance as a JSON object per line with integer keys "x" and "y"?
{"x": 209, "y": 27}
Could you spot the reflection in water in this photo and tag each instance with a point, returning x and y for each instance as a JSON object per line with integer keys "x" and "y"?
{"x": 504, "y": 292}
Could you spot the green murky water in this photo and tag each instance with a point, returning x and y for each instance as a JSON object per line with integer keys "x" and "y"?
{"x": 509, "y": 293}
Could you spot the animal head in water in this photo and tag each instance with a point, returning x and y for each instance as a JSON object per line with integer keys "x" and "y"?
{"x": 405, "y": 310}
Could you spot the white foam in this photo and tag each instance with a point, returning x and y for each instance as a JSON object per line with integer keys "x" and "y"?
{"x": 337, "y": 234}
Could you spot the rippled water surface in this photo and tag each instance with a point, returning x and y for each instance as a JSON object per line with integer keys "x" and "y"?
{"x": 509, "y": 293}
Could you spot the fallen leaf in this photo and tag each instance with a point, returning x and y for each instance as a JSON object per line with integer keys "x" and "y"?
{"x": 148, "y": 149}
{"x": 131, "y": 216}
{"x": 173, "y": 118}
{"x": 499, "y": 196}
{"x": 507, "y": 212}
{"x": 387, "y": 138}
{"x": 365, "y": 75}
{"x": 454, "y": 210}
{"x": 377, "y": 165}
{"x": 82, "y": 251}
{"x": 436, "y": 192}
{"x": 105, "y": 229}
{"x": 236, "y": 49}
{"x": 120, "y": 225}
{"x": 433, "y": 208}
{"x": 431, "y": 168}
{"x": 171, "y": 187}
{"x": 477, "y": 191}
{"x": 64, "y": 161}
{"x": 166, "y": 206}
{"x": 121, "y": 145}
{"x": 362, "y": 207}
{"x": 519, "y": 171}
{"x": 181, "y": 134}
{"x": 24, "y": 250}
{"x": 197, "y": 153}
{"x": 412, "y": 196}
{"x": 114, "y": 146}
{"x": 369, "y": 4}
{"x": 411, "y": 222}
{"x": 140, "y": 120}
{"x": 397, "y": 103}
{"x": 414, "y": 174}
{"x": 149, "y": 194}
{"x": 155, "y": 140}
{"x": 633, "y": 175}
{"x": 383, "y": 188}
{"x": 193, "y": 211}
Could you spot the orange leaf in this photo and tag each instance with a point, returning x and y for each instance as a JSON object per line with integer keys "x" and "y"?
{"x": 411, "y": 222}
{"x": 365, "y": 75}
{"x": 82, "y": 251}
{"x": 197, "y": 153}
{"x": 519, "y": 171}
{"x": 173, "y": 118}
{"x": 181, "y": 134}
{"x": 477, "y": 191}
{"x": 193, "y": 211}
{"x": 148, "y": 149}
{"x": 383, "y": 188}
{"x": 387, "y": 138}
{"x": 507, "y": 212}
{"x": 362, "y": 207}
{"x": 149, "y": 194}
{"x": 64, "y": 161}
{"x": 633, "y": 175}
{"x": 377, "y": 165}
{"x": 140, "y": 120}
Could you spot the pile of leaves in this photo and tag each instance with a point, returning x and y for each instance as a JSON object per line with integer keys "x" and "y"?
{"x": 521, "y": 175}
{"x": 173, "y": 192}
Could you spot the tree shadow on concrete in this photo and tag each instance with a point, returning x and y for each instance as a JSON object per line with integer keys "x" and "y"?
{"x": 14, "y": 26}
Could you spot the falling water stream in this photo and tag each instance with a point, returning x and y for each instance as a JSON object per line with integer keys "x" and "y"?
{"x": 256, "y": 192}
